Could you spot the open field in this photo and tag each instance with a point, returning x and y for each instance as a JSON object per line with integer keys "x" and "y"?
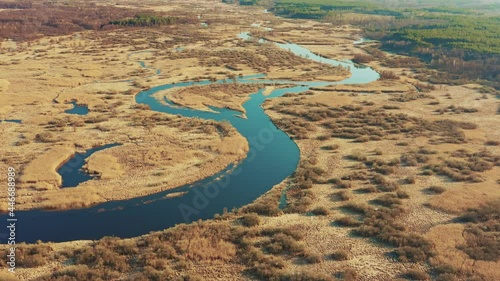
{"x": 386, "y": 168}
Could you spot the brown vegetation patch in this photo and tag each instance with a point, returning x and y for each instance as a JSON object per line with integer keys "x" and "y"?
{"x": 36, "y": 19}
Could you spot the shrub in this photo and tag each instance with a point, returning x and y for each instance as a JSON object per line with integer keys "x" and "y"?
{"x": 446, "y": 277}
{"x": 344, "y": 184}
{"x": 410, "y": 254}
{"x": 31, "y": 261}
{"x": 282, "y": 243}
{"x": 384, "y": 169}
{"x": 444, "y": 268}
{"x": 415, "y": 274}
{"x": 193, "y": 277}
{"x": 402, "y": 194}
{"x": 362, "y": 139}
{"x": 482, "y": 242}
{"x": 492, "y": 143}
{"x": 339, "y": 255}
{"x": 388, "y": 200}
{"x": 347, "y": 221}
{"x": 349, "y": 274}
{"x": 357, "y": 156}
{"x": 427, "y": 172}
{"x": 388, "y": 75}
{"x": 320, "y": 211}
{"x": 330, "y": 147}
{"x": 436, "y": 189}
{"x": 358, "y": 208}
{"x": 300, "y": 206}
{"x": 369, "y": 189}
{"x": 388, "y": 186}
{"x": 343, "y": 195}
{"x": 410, "y": 180}
{"x": 250, "y": 220}
{"x": 486, "y": 212}
{"x": 305, "y": 276}
{"x": 45, "y": 137}
{"x": 264, "y": 208}
{"x": 310, "y": 257}
{"x": 390, "y": 107}
{"x": 362, "y": 58}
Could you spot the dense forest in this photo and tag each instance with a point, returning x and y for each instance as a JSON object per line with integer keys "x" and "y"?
{"x": 460, "y": 39}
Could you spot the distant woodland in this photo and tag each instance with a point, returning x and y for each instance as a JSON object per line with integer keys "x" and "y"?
{"x": 461, "y": 40}
{"x": 29, "y": 20}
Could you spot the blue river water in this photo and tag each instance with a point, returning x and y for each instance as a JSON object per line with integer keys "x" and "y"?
{"x": 71, "y": 171}
{"x": 272, "y": 157}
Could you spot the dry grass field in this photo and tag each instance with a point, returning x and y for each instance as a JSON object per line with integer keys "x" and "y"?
{"x": 398, "y": 179}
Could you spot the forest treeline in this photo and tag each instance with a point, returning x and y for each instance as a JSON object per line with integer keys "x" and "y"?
{"x": 462, "y": 42}
{"x": 145, "y": 20}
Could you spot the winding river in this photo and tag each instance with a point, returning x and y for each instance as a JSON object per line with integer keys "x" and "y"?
{"x": 273, "y": 156}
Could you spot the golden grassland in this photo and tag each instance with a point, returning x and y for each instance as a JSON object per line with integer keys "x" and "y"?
{"x": 386, "y": 169}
